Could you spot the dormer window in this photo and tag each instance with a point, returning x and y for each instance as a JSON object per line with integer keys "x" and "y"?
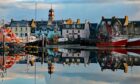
{"x": 78, "y": 26}
{"x": 67, "y": 26}
{"x": 73, "y": 26}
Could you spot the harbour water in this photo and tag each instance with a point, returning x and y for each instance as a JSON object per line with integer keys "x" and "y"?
{"x": 71, "y": 66}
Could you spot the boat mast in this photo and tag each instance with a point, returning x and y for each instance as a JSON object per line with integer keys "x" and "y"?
{"x": 35, "y": 17}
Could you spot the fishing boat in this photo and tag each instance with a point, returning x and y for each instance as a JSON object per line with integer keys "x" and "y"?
{"x": 6, "y": 35}
{"x": 110, "y": 32}
{"x": 115, "y": 42}
{"x": 134, "y": 42}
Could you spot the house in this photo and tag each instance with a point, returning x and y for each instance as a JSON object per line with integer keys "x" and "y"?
{"x": 93, "y": 30}
{"x": 23, "y": 29}
{"x": 75, "y": 30}
{"x": 134, "y": 28}
{"x": 113, "y": 26}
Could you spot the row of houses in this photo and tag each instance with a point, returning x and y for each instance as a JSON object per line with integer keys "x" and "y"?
{"x": 28, "y": 30}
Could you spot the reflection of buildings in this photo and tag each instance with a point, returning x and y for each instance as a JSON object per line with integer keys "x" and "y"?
{"x": 50, "y": 68}
{"x": 113, "y": 59}
{"x": 70, "y": 56}
{"x": 117, "y": 60}
{"x": 79, "y": 56}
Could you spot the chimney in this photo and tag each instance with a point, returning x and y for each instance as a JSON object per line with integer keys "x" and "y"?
{"x": 78, "y": 21}
{"x": 103, "y": 17}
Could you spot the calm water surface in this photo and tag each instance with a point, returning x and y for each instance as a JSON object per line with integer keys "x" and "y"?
{"x": 71, "y": 66}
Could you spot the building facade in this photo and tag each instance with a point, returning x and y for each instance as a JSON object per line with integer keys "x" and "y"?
{"x": 134, "y": 28}
{"x": 22, "y": 29}
{"x": 76, "y": 30}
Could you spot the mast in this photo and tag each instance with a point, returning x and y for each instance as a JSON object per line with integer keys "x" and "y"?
{"x": 35, "y": 20}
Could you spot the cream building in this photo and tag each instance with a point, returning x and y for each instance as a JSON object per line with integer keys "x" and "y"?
{"x": 75, "y": 30}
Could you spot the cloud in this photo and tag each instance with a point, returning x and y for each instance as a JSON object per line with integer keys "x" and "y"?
{"x": 41, "y": 5}
{"x": 92, "y": 10}
{"x": 100, "y": 77}
{"x": 82, "y": 1}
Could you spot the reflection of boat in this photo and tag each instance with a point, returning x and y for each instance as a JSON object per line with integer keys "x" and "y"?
{"x": 7, "y": 62}
{"x": 133, "y": 42}
{"x": 118, "y": 52}
{"x": 133, "y": 52}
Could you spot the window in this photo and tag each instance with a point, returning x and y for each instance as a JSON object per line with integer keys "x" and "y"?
{"x": 21, "y": 34}
{"x": 25, "y": 34}
{"x": 78, "y": 31}
{"x": 78, "y": 26}
{"x": 26, "y": 28}
{"x": 67, "y": 31}
{"x": 72, "y": 31}
{"x": 67, "y": 26}
{"x": 21, "y": 29}
{"x": 78, "y": 36}
{"x": 16, "y": 28}
{"x": 73, "y": 26}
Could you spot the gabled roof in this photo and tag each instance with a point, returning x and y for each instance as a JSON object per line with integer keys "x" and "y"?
{"x": 121, "y": 21}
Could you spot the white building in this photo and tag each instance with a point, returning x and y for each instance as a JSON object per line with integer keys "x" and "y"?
{"x": 76, "y": 31}
{"x": 23, "y": 30}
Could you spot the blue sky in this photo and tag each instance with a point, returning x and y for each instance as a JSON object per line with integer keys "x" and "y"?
{"x": 91, "y": 10}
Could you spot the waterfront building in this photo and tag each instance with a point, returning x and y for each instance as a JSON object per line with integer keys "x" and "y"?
{"x": 117, "y": 25}
{"x": 93, "y": 30}
{"x": 75, "y": 30}
{"x": 134, "y": 33}
{"x": 134, "y": 28}
{"x": 50, "y": 29}
{"x": 23, "y": 29}
{"x": 113, "y": 31}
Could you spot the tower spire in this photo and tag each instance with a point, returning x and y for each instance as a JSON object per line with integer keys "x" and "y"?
{"x": 51, "y": 5}
{"x": 51, "y": 15}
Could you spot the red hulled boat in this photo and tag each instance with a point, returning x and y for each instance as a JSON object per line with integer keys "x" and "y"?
{"x": 134, "y": 42}
{"x": 110, "y": 32}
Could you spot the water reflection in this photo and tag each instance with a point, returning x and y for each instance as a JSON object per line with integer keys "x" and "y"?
{"x": 56, "y": 64}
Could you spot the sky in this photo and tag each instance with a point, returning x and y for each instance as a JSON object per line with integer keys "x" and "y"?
{"x": 91, "y": 10}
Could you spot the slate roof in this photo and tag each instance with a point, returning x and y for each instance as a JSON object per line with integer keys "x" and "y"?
{"x": 72, "y": 26}
{"x": 22, "y": 23}
{"x": 113, "y": 20}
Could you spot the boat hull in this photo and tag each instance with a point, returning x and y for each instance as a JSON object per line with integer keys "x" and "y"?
{"x": 120, "y": 43}
{"x": 133, "y": 43}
